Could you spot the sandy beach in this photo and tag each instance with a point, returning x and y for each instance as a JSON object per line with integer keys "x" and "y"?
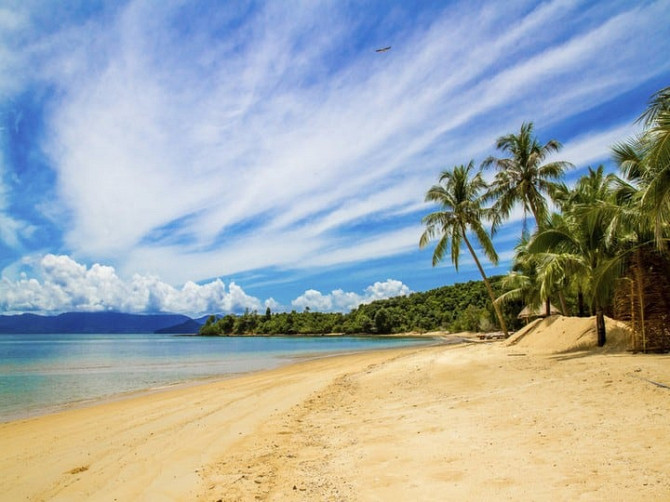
{"x": 525, "y": 419}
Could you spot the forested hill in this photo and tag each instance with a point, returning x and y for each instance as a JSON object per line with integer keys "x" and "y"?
{"x": 459, "y": 307}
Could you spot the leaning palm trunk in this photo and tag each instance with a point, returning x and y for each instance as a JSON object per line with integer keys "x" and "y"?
{"x": 496, "y": 307}
{"x": 461, "y": 204}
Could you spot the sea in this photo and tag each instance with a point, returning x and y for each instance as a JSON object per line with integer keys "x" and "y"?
{"x": 45, "y": 373}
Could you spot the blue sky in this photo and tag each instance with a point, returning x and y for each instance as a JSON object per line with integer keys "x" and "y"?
{"x": 208, "y": 156}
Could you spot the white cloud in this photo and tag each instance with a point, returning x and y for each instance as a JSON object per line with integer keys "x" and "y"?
{"x": 11, "y": 63}
{"x": 394, "y": 242}
{"x": 66, "y": 285}
{"x": 596, "y": 147}
{"x": 272, "y": 304}
{"x": 61, "y": 284}
{"x": 315, "y": 300}
{"x": 341, "y": 301}
{"x": 387, "y": 289}
{"x": 11, "y": 229}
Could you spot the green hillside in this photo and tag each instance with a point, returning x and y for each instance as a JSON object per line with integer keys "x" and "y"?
{"x": 459, "y": 307}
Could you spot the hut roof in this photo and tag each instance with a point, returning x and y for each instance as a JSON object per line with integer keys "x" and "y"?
{"x": 539, "y": 311}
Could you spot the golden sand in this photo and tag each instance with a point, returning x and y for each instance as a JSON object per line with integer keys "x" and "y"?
{"x": 513, "y": 420}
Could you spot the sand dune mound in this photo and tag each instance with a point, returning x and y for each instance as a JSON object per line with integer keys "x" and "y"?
{"x": 560, "y": 334}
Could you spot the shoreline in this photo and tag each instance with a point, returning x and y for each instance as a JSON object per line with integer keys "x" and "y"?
{"x": 48, "y": 449}
{"x": 431, "y": 422}
{"x": 42, "y": 409}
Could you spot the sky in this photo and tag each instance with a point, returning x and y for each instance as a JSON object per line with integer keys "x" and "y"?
{"x": 206, "y": 157}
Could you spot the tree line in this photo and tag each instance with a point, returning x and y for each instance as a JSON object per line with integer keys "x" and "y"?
{"x": 458, "y": 307}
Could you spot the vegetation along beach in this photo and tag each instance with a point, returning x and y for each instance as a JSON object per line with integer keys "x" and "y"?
{"x": 331, "y": 251}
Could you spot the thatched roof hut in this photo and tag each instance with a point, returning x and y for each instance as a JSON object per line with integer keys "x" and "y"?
{"x": 540, "y": 311}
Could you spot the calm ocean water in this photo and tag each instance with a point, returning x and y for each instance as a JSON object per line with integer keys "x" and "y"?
{"x": 42, "y": 373}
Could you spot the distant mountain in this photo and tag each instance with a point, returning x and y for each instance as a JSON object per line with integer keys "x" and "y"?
{"x": 185, "y": 328}
{"x": 96, "y": 322}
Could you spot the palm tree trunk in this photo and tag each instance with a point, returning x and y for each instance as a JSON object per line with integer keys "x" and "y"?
{"x": 600, "y": 325}
{"x": 496, "y": 307}
{"x": 640, "y": 287}
{"x": 547, "y": 307}
{"x": 533, "y": 209}
{"x": 564, "y": 306}
{"x": 580, "y": 303}
{"x": 561, "y": 296}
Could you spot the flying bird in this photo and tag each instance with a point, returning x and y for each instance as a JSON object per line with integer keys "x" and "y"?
{"x": 384, "y": 49}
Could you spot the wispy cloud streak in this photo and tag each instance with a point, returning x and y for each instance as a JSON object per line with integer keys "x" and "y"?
{"x": 193, "y": 144}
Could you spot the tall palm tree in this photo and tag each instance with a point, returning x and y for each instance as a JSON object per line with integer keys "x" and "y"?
{"x": 521, "y": 177}
{"x": 582, "y": 244}
{"x": 459, "y": 195}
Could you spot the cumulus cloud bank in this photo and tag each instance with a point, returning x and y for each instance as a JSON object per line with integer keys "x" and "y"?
{"x": 66, "y": 285}
{"x": 340, "y": 301}
{"x": 70, "y": 286}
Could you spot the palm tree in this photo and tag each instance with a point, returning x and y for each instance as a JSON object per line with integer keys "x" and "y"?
{"x": 645, "y": 161}
{"x": 595, "y": 192}
{"x": 521, "y": 177}
{"x": 656, "y": 143}
{"x": 645, "y": 213}
{"x": 536, "y": 276}
{"x": 520, "y": 284}
{"x": 553, "y": 275}
{"x": 582, "y": 245}
{"x": 459, "y": 197}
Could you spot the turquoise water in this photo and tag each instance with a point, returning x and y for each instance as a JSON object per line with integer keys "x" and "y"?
{"x": 42, "y": 373}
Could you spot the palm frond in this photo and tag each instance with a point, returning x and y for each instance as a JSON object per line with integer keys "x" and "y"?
{"x": 440, "y": 249}
{"x": 485, "y": 242}
{"x": 659, "y": 103}
{"x": 554, "y": 170}
{"x": 553, "y": 240}
{"x": 510, "y": 296}
{"x": 629, "y": 158}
